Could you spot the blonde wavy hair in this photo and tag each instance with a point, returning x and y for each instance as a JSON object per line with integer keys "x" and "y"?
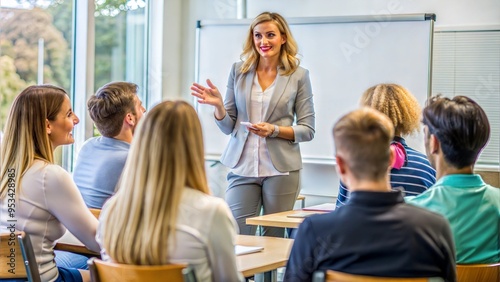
{"x": 397, "y": 103}
{"x": 288, "y": 62}
{"x": 166, "y": 156}
{"x": 26, "y": 137}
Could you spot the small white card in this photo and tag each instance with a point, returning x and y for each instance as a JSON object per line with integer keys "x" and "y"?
{"x": 242, "y": 250}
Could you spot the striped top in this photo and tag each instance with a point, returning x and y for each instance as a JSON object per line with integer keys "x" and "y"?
{"x": 413, "y": 178}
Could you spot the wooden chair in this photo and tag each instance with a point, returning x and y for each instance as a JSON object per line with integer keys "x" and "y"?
{"x": 478, "y": 272}
{"x": 103, "y": 271}
{"x": 302, "y": 200}
{"x": 95, "y": 212}
{"x": 335, "y": 276}
{"x": 17, "y": 258}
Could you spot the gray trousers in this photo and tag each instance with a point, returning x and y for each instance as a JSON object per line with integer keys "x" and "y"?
{"x": 247, "y": 195}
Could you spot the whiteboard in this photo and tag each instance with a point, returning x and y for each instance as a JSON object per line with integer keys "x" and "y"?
{"x": 344, "y": 55}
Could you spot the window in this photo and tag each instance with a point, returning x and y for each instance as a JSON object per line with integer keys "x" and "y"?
{"x": 120, "y": 43}
{"x": 79, "y": 45}
{"x": 468, "y": 63}
{"x": 35, "y": 48}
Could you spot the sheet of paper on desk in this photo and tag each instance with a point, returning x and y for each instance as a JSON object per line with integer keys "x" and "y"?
{"x": 242, "y": 250}
{"x": 301, "y": 214}
{"x": 327, "y": 207}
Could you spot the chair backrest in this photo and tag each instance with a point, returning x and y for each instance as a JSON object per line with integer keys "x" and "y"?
{"x": 95, "y": 212}
{"x": 103, "y": 271}
{"x": 336, "y": 276}
{"x": 478, "y": 272}
{"x": 17, "y": 257}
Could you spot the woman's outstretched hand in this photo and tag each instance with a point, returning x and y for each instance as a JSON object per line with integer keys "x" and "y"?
{"x": 207, "y": 95}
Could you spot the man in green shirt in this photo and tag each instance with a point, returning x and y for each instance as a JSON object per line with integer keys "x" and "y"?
{"x": 456, "y": 130}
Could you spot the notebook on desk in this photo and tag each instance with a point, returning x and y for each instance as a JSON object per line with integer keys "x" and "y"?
{"x": 326, "y": 207}
{"x": 242, "y": 250}
{"x": 300, "y": 214}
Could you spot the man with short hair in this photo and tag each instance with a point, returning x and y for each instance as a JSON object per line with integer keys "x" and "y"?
{"x": 456, "y": 131}
{"x": 115, "y": 110}
{"x": 375, "y": 233}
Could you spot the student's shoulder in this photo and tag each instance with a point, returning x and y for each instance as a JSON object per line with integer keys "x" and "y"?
{"x": 213, "y": 210}
{"x": 416, "y": 155}
{"x": 322, "y": 226}
{"x": 426, "y": 198}
{"x": 51, "y": 170}
{"x": 203, "y": 200}
{"x": 90, "y": 142}
{"x": 53, "y": 175}
{"x": 111, "y": 144}
{"x": 494, "y": 193}
{"x": 321, "y": 220}
{"x": 420, "y": 214}
{"x": 88, "y": 147}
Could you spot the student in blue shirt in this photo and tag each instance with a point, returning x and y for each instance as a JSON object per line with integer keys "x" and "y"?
{"x": 411, "y": 171}
{"x": 115, "y": 109}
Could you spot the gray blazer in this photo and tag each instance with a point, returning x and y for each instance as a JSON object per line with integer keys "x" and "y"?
{"x": 292, "y": 100}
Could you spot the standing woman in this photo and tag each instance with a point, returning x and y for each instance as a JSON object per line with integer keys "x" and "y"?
{"x": 162, "y": 212}
{"x": 270, "y": 90}
{"x": 46, "y": 199}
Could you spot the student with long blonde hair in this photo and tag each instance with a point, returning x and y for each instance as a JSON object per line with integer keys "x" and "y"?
{"x": 162, "y": 212}
{"x": 36, "y": 195}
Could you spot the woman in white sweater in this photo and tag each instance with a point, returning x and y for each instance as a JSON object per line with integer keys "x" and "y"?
{"x": 162, "y": 212}
{"x": 36, "y": 195}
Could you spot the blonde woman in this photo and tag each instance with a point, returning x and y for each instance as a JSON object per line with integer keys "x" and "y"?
{"x": 36, "y": 195}
{"x": 162, "y": 212}
{"x": 268, "y": 110}
{"x": 411, "y": 172}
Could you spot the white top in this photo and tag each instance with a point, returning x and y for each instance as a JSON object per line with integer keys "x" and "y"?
{"x": 205, "y": 237}
{"x": 255, "y": 160}
{"x": 48, "y": 202}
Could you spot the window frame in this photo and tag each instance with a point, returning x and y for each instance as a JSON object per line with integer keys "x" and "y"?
{"x": 83, "y": 64}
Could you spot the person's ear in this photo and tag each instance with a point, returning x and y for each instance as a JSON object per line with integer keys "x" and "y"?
{"x": 48, "y": 126}
{"x": 341, "y": 165}
{"x": 283, "y": 39}
{"x": 392, "y": 157}
{"x": 342, "y": 170}
{"x": 129, "y": 119}
{"x": 434, "y": 145}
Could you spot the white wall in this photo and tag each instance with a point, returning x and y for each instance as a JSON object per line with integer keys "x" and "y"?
{"x": 192, "y": 11}
{"x": 319, "y": 182}
{"x": 448, "y": 12}
{"x": 181, "y": 16}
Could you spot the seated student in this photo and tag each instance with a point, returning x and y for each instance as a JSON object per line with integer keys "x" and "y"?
{"x": 161, "y": 212}
{"x": 115, "y": 110}
{"x": 411, "y": 171}
{"x": 46, "y": 199}
{"x": 456, "y": 130}
{"x": 375, "y": 233}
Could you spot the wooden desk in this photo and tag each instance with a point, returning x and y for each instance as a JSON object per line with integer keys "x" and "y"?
{"x": 274, "y": 255}
{"x": 70, "y": 243}
{"x": 280, "y": 219}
